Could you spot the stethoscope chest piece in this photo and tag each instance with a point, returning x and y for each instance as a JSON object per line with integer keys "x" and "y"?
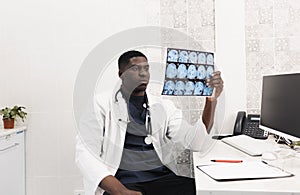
{"x": 148, "y": 140}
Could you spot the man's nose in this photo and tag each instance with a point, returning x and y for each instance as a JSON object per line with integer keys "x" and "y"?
{"x": 143, "y": 72}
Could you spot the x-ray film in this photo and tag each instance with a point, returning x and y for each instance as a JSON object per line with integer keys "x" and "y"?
{"x": 187, "y": 71}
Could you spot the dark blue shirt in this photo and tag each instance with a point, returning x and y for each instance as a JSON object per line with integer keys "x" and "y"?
{"x": 139, "y": 161}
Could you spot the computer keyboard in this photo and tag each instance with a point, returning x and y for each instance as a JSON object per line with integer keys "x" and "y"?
{"x": 249, "y": 145}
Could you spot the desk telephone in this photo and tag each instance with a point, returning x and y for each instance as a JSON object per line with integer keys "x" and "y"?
{"x": 249, "y": 126}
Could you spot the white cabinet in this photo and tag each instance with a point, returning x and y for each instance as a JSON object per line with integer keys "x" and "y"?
{"x": 12, "y": 162}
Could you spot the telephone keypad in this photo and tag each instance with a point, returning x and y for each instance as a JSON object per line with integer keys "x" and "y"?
{"x": 252, "y": 129}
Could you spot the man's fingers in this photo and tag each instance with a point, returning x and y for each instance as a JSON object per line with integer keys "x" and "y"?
{"x": 215, "y": 82}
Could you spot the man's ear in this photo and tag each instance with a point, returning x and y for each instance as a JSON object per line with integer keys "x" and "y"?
{"x": 120, "y": 73}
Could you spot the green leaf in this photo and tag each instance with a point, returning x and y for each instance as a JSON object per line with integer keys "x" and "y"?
{"x": 14, "y": 112}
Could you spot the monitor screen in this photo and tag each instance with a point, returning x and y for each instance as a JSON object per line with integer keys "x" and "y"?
{"x": 280, "y": 105}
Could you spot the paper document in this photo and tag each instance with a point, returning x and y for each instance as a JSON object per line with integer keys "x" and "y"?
{"x": 242, "y": 171}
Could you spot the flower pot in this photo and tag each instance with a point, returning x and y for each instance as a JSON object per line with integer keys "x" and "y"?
{"x": 8, "y": 123}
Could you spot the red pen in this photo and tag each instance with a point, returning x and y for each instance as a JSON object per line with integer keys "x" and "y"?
{"x": 228, "y": 161}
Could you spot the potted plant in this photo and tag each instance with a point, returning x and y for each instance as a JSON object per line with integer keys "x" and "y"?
{"x": 9, "y": 115}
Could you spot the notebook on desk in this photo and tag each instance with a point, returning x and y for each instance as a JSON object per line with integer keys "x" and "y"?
{"x": 249, "y": 145}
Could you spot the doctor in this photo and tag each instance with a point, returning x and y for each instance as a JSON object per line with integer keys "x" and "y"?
{"x": 135, "y": 138}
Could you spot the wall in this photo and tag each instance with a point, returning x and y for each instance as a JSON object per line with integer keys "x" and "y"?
{"x": 272, "y": 43}
{"x": 42, "y": 45}
{"x": 261, "y": 38}
{"x": 230, "y": 48}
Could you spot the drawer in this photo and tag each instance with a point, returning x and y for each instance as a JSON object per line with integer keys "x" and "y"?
{"x": 10, "y": 142}
{"x": 12, "y": 164}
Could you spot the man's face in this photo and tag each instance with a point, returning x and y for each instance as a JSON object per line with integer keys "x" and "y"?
{"x": 135, "y": 76}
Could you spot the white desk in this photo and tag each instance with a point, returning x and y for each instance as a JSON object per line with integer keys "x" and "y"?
{"x": 207, "y": 186}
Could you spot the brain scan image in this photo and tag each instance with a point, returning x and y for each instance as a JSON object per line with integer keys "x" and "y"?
{"x": 181, "y": 71}
{"x": 207, "y": 91}
{"x": 201, "y": 73}
{"x": 173, "y": 55}
{"x": 186, "y": 72}
{"x": 193, "y": 57}
{"x": 202, "y": 58}
{"x": 169, "y": 88}
{"x": 210, "y": 59}
{"x": 171, "y": 71}
{"x": 191, "y": 72}
{"x": 199, "y": 87}
{"x": 183, "y": 56}
{"x": 179, "y": 88}
{"x": 189, "y": 88}
{"x": 209, "y": 71}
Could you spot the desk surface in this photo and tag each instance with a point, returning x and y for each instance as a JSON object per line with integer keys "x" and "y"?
{"x": 220, "y": 150}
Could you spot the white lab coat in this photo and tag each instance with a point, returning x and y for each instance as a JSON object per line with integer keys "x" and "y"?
{"x": 102, "y": 134}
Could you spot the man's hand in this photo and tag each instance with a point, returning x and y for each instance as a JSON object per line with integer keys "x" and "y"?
{"x": 114, "y": 187}
{"x": 127, "y": 192}
{"x": 210, "y": 105}
{"x": 216, "y": 82}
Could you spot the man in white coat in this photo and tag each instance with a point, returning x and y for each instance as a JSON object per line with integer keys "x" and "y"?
{"x": 134, "y": 138}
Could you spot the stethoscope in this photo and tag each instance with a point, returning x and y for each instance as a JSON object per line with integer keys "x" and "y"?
{"x": 148, "y": 139}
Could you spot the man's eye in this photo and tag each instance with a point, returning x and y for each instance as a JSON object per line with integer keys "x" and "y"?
{"x": 134, "y": 68}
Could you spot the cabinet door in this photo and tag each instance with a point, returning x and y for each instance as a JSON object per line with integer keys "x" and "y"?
{"x": 12, "y": 164}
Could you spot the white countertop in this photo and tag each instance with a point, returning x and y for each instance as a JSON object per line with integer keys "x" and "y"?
{"x": 4, "y": 132}
{"x": 257, "y": 186}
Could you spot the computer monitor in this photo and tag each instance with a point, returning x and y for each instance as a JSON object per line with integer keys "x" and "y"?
{"x": 280, "y": 105}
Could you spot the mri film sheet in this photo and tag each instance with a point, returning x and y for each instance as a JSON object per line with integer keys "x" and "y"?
{"x": 186, "y": 72}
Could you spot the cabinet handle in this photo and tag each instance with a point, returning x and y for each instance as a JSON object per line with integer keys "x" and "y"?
{"x": 14, "y": 145}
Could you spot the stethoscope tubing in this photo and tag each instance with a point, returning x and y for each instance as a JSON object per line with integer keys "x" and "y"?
{"x": 148, "y": 115}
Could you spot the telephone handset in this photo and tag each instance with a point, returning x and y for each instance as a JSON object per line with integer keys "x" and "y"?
{"x": 249, "y": 125}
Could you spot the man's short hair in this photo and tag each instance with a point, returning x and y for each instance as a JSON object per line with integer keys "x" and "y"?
{"x": 125, "y": 57}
